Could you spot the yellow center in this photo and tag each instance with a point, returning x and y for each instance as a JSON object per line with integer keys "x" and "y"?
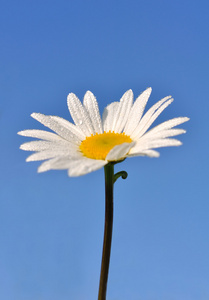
{"x": 99, "y": 145}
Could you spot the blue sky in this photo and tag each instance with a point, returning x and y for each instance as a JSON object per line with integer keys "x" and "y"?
{"x": 51, "y": 226}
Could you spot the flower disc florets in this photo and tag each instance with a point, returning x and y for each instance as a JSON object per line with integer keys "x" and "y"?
{"x": 99, "y": 145}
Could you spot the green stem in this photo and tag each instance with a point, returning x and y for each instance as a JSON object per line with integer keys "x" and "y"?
{"x": 109, "y": 181}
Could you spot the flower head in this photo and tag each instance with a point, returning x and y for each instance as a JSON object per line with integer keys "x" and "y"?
{"x": 92, "y": 142}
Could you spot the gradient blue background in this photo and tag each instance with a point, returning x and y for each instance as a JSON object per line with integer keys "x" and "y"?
{"x": 51, "y": 226}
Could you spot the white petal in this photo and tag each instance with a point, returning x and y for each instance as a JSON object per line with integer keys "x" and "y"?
{"x": 108, "y": 117}
{"x": 84, "y": 166}
{"x": 44, "y": 145}
{"x": 150, "y": 117}
{"x": 74, "y": 130}
{"x": 119, "y": 151}
{"x": 54, "y": 124}
{"x": 162, "y": 134}
{"x": 42, "y": 155}
{"x": 46, "y": 154}
{"x": 41, "y": 134}
{"x": 150, "y": 153}
{"x": 46, "y": 165}
{"x": 149, "y": 144}
{"x": 62, "y": 163}
{"x": 36, "y": 145}
{"x": 92, "y": 108}
{"x": 76, "y": 167}
{"x": 169, "y": 124}
{"x": 117, "y": 114}
{"x": 58, "y": 163}
{"x": 165, "y": 143}
{"x": 137, "y": 111}
{"x": 79, "y": 114}
{"x": 123, "y": 111}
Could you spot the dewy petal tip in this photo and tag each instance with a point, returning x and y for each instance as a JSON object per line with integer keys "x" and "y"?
{"x": 20, "y": 132}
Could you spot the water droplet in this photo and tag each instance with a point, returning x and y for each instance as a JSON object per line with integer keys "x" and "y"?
{"x": 80, "y": 122}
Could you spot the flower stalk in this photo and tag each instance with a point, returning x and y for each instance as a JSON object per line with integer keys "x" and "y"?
{"x": 109, "y": 182}
{"x": 110, "y": 179}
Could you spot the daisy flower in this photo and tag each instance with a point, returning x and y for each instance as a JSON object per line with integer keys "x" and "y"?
{"x": 94, "y": 141}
